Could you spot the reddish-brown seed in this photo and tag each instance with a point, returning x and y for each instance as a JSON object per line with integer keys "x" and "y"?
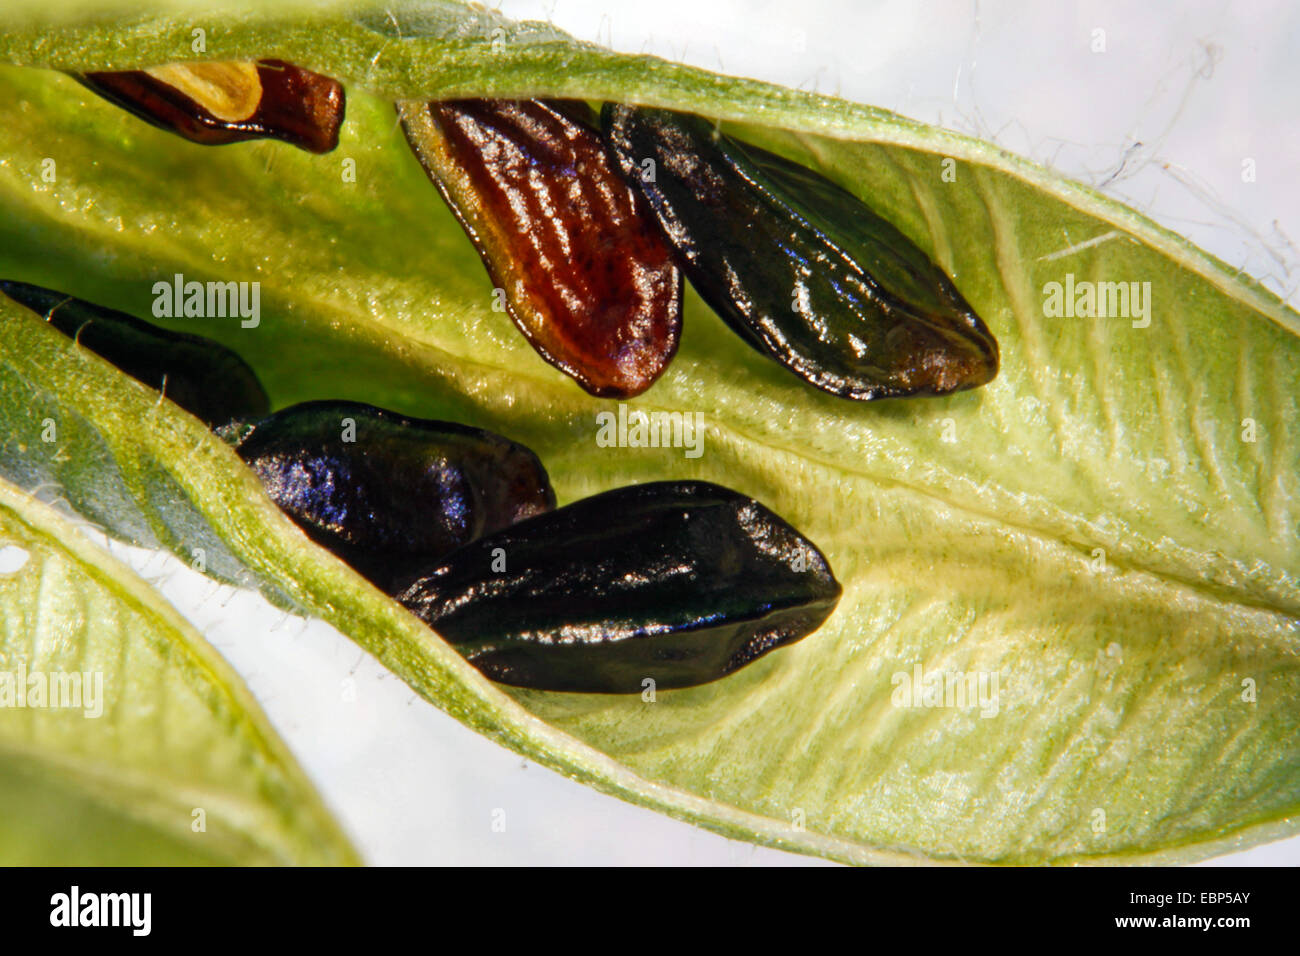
{"x": 270, "y": 99}
{"x": 587, "y": 277}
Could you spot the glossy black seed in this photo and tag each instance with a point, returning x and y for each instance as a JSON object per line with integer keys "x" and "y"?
{"x": 681, "y": 582}
{"x": 386, "y": 493}
{"x": 203, "y": 377}
{"x": 801, "y": 268}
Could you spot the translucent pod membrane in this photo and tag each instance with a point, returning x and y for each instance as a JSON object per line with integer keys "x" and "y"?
{"x": 214, "y": 103}
{"x": 389, "y": 494}
{"x": 675, "y": 582}
{"x": 203, "y": 377}
{"x": 799, "y": 267}
{"x": 584, "y": 272}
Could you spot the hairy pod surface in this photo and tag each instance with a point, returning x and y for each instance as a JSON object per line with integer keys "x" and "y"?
{"x": 386, "y": 493}
{"x": 214, "y": 103}
{"x": 586, "y": 275}
{"x": 679, "y": 582}
{"x": 203, "y": 377}
{"x": 801, "y": 268}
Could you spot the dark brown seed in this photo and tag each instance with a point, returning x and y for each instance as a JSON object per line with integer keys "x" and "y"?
{"x": 203, "y": 377}
{"x": 227, "y": 102}
{"x": 679, "y": 582}
{"x": 798, "y": 266}
{"x": 587, "y": 277}
{"x": 386, "y": 493}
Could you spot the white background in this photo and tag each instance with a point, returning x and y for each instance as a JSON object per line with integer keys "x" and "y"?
{"x": 1163, "y": 119}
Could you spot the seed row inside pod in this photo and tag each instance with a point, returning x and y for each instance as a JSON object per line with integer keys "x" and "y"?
{"x": 679, "y": 583}
{"x": 585, "y": 227}
{"x": 800, "y": 268}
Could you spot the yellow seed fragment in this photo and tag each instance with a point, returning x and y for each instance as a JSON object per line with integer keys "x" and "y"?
{"x": 229, "y": 90}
